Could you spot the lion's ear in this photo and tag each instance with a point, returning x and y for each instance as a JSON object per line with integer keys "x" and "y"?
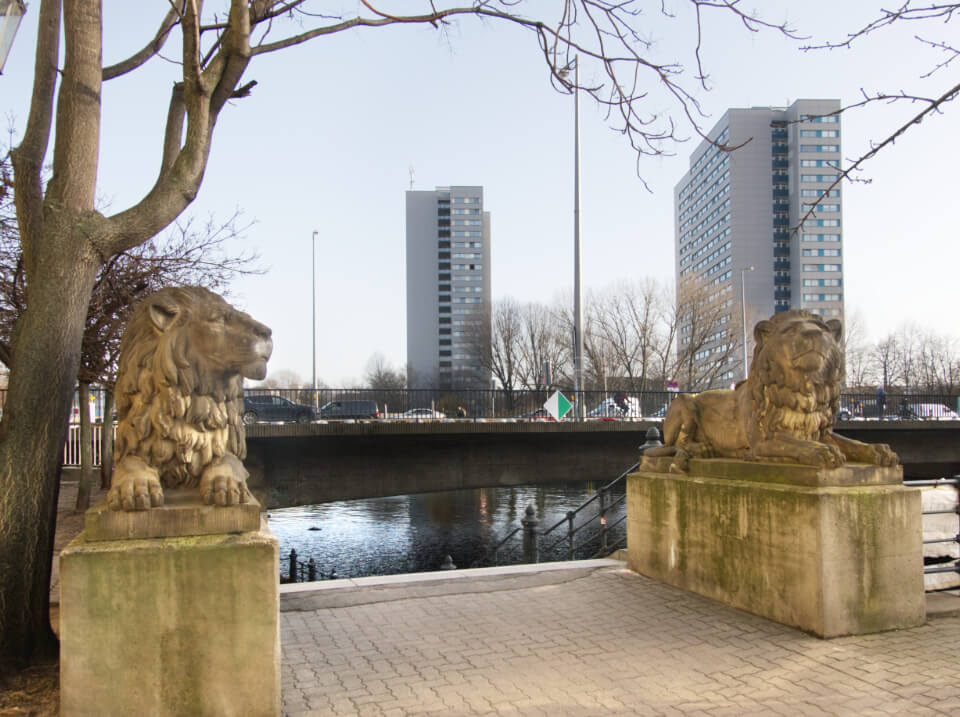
{"x": 836, "y": 328}
{"x": 761, "y": 331}
{"x": 163, "y": 312}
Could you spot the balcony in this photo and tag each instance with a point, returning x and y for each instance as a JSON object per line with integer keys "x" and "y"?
{"x": 780, "y": 164}
{"x": 781, "y": 179}
{"x": 779, "y": 134}
{"x": 782, "y": 294}
{"x": 781, "y": 265}
{"x": 779, "y": 149}
{"x": 781, "y": 207}
{"x": 781, "y": 236}
{"x": 781, "y": 280}
{"x": 781, "y": 221}
{"x": 781, "y": 193}
{"x": 781, "y": 251}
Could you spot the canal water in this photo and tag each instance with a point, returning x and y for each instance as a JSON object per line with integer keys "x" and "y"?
{"x": 414, "y": 533}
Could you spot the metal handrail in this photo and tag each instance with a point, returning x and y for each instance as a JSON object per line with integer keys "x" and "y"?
{"x": 954, "y": 564}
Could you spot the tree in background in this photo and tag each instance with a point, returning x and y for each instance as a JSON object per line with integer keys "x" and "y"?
{"x": 380, "y": 375}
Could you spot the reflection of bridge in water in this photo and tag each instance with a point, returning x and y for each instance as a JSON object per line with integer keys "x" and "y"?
{"x": 297, "y": 464}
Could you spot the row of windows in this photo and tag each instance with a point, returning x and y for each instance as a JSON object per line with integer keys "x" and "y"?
{"x": 825, "y": 312}
{"x": 467, "y": 244}
{"x": 703, "y": 204}
{"x": 821, "y": 267}
{"x": 718, "y": 229}
{"x": 704, "y": 163}
{"x": 822, "y": 282}
{"x": 466, "y": 222}
{"x": 460, "y": 233}
{"x": 819, "y": 147}
{"x": 835, "y": 163}
{"x": 466, "y": 211}
{"x": 832, "y": 119}
{"x": 823, "y": 222}
{"x": 821, "y": 252}
{"x": 821, "y": 207}
{"x": 821, "y": 297}
{"x": 819, "y": 133}
{"x": 817, "y": 177}
{"x": 468, "y": 255}
{"x": 819, "y": 192}
{"x": 707, "y": 259}
{"x": 467, "y": 267}
{"x": 698, "y": 183}
{"x": 820, "y": 237}
{"x": 466, "y": 200}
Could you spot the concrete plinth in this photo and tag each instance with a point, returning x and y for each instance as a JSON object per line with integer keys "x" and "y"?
{"x": 170, "y": 626}
{"x": 833, "y": 552}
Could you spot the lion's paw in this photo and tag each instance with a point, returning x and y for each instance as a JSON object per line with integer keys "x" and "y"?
{"x": 883, "y": 455}
{"x": 135, "y": 491}
{"x": 224, "y": 482}
{"x": 824, "y": 455}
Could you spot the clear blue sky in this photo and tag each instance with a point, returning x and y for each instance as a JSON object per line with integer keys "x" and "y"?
{"x": 327, "y": 139}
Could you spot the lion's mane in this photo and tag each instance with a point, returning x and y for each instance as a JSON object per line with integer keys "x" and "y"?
{"x": 790, "y": 400}
{"x": 173, "y": 410}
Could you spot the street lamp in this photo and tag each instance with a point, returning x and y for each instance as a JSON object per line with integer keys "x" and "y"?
{"x": 313, "y": 306}
{"x": 11, "y": 13}
{"x": 574, "y": 65}
{"x": 743, "y": 319}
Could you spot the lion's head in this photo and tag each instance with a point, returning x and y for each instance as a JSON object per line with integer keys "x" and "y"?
{"x": 796, "y": 374}
{"x": 179, "y": 388}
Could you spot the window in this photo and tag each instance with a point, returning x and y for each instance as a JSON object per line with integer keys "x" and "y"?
{"x": 819, "y": 148}
{"x": 825, "y": 118}
{"x": 827, "y": 223}
{"x": 819, "y": 133}
{"x": 443, "y": 277}
{"x": 443, "y": 287}
{"x": 820, "y": 163}
{"x": 819, "y": 192}
{"x": 466, "y": 200}
{"x": 444, "y": 342}
{"x": 820, "y": 237}
{"x": 821, "y": 207}
{"x": 821, "y": 252}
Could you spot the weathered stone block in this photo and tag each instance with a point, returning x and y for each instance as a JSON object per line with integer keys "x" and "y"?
{"x": 811, "y": 548}
{"x": 171, "y": 626}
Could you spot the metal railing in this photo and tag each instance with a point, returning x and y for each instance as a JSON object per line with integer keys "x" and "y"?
{"x": 299, "y": 571}
{"x": 938, "y": 565}
{"x": 608, "y": 499}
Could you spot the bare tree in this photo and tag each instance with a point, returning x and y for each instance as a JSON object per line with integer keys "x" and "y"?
{"x": 382, "y": 376}
{"x": 66, "y": 241}
{"x": 627, "y": 316}
{"x": 859, "y": 374}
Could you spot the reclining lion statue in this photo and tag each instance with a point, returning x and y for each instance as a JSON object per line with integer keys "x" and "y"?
{"x": 783, "y": 412}
{"x": 179, "y": 394}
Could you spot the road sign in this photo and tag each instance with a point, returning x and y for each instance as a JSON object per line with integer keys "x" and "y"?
{"x": 673, "y": 386}
{"x": 557, "y": 405}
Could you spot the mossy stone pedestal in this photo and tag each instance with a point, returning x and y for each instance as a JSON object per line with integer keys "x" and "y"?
{"x": 152, "y": 624}
{"x": 832, "y": 552}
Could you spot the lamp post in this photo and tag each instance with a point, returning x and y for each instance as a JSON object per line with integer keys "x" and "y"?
{"x": 11, "y": 13}
{"x": 313, "y": 306}
{"x": 743, "y": 318}
{"x": 574, "y": 65}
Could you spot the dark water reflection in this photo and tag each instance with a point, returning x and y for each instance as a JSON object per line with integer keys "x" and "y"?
{"x": 414, "y": 533}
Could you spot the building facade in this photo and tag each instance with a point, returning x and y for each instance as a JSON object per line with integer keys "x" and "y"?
{"x": 739, "y": 209}
{"x": 448, "y": 288}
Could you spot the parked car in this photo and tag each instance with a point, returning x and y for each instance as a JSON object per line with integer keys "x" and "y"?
{"x": 422, "y": 413}
{"x": 659, "y": 414}
{"x": 353, "y": 408}
{"x": 609, "y": 408}
{"x": 267, "y": 407}
{"x": 933, "y": 411}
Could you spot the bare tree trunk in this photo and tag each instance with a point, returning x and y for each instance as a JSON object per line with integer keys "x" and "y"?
{"x": 106, "y": 440}
{"x": 46, "y": 357}
{"x": 85, "y": 487}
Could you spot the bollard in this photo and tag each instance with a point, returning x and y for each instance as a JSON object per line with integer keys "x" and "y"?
{"x": 333, "y": 573}
{"x": 311, "y": 570}
{"x": 448, "y": 564}
{"x": 570, "y": 534}
{"x": 653, "y": 440}
{"x": 603, "y": 522}
{"x": 293, "y": 566}
{"x": 531, "y": 551}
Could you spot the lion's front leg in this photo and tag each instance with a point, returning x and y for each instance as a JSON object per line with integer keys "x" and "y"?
{"x": 135, "y": 485}
{"x": 224, "y": 482}
{"x": 810, "y": 453}
{"x": 877, "y": 454}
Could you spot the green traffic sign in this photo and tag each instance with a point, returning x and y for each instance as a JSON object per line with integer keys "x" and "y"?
{"x": 558, "y": 405}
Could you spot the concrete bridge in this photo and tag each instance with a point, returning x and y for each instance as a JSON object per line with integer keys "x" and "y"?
{"x": 294, "y": 464}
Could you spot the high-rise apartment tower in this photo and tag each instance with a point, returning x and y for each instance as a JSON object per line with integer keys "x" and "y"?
{"x": 740, "y": 209}
{"x": 448, "y": 288}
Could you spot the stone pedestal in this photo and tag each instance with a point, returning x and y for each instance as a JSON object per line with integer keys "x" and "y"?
{"x": 185, "y": 625}
{"x": 833, "y": 552}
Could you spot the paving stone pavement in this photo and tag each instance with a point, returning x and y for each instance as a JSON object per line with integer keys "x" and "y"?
{"x": 595, "y": 639}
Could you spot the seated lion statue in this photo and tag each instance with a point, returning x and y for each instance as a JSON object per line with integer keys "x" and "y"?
{"x": 179, "y": 394}
{"x": 783, "y": 412}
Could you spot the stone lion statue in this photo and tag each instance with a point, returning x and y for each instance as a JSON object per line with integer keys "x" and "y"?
{"x": 783, "y": 412}
{"x": 179, "y": 395}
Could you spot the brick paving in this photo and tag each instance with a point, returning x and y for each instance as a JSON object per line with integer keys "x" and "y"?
{"x": 582, "y": 641}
